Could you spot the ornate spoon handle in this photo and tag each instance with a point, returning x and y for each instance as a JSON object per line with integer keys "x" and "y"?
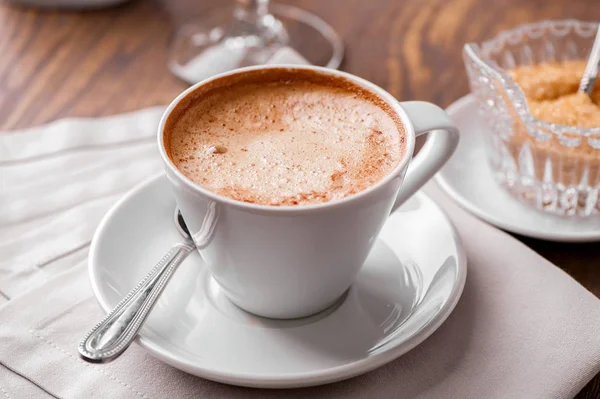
{"x": 588, "y": 81}
{"x": 109, "y": 338}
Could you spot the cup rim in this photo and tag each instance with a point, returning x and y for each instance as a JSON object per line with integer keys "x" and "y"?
{"x": 293, "y": 209}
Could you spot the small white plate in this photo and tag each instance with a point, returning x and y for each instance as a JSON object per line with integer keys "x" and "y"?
{"x": 468, "y": 179}
{"x": 408, "y": 286}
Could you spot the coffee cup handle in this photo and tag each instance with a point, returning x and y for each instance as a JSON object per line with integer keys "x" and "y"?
{"x": 427, "y": 118}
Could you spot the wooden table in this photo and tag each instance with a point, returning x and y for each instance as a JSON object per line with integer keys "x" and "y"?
{"x": 58, "y": 64}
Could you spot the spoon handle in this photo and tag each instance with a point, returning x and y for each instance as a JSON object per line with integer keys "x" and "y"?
{"x": 109, "y": 338}
{"x": 592, "y": 67}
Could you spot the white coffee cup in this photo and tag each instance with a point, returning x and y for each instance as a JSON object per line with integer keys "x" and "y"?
{"x": 293, "y": 261}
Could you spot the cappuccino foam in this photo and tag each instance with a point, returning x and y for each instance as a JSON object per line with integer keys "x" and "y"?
{"x": 284, "y": 137}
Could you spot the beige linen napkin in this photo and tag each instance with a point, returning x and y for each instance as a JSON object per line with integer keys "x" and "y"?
{"x": 522, "y": 329}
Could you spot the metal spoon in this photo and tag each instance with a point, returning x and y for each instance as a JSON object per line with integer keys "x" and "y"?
{"x": 109, "y": 338}
{"x": 592, "y": 68}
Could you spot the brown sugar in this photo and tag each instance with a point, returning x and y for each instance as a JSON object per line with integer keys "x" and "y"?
{"x": 552, "y": 96}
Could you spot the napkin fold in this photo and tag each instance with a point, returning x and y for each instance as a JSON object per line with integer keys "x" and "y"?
{"x": 522, "y": 329}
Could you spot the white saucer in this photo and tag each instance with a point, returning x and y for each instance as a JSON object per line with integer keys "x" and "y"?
{"x": 404, "y": 292}
{"x": 468, "y": 179}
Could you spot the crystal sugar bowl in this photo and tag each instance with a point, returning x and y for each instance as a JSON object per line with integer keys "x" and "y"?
{"x": 551, "y": 166}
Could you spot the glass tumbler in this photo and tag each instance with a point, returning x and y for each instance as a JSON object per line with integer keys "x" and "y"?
{"x": 554, "y": 168}
{"x": 242, "y": 33}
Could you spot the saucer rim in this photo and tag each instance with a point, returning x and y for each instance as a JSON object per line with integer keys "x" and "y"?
{"x": 283, "y": 380}
{"x": 468, "y": 205}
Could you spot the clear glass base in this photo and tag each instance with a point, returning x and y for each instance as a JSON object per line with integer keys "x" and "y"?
{"x": 219, "y": 42}
{"x": 555, "y": 199}
{"x": 566, "y": 186}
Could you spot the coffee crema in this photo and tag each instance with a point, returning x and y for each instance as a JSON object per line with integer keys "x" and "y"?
{"x": 284, "y": 137}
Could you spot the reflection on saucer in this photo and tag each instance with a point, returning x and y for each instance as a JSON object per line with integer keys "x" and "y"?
{"x": 404, "y": 291}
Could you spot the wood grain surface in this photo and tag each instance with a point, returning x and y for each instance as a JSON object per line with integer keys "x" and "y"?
{"x": 55, "y": 64}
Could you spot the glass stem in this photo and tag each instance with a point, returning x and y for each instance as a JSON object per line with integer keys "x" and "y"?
{"x": 251, "y": 11}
